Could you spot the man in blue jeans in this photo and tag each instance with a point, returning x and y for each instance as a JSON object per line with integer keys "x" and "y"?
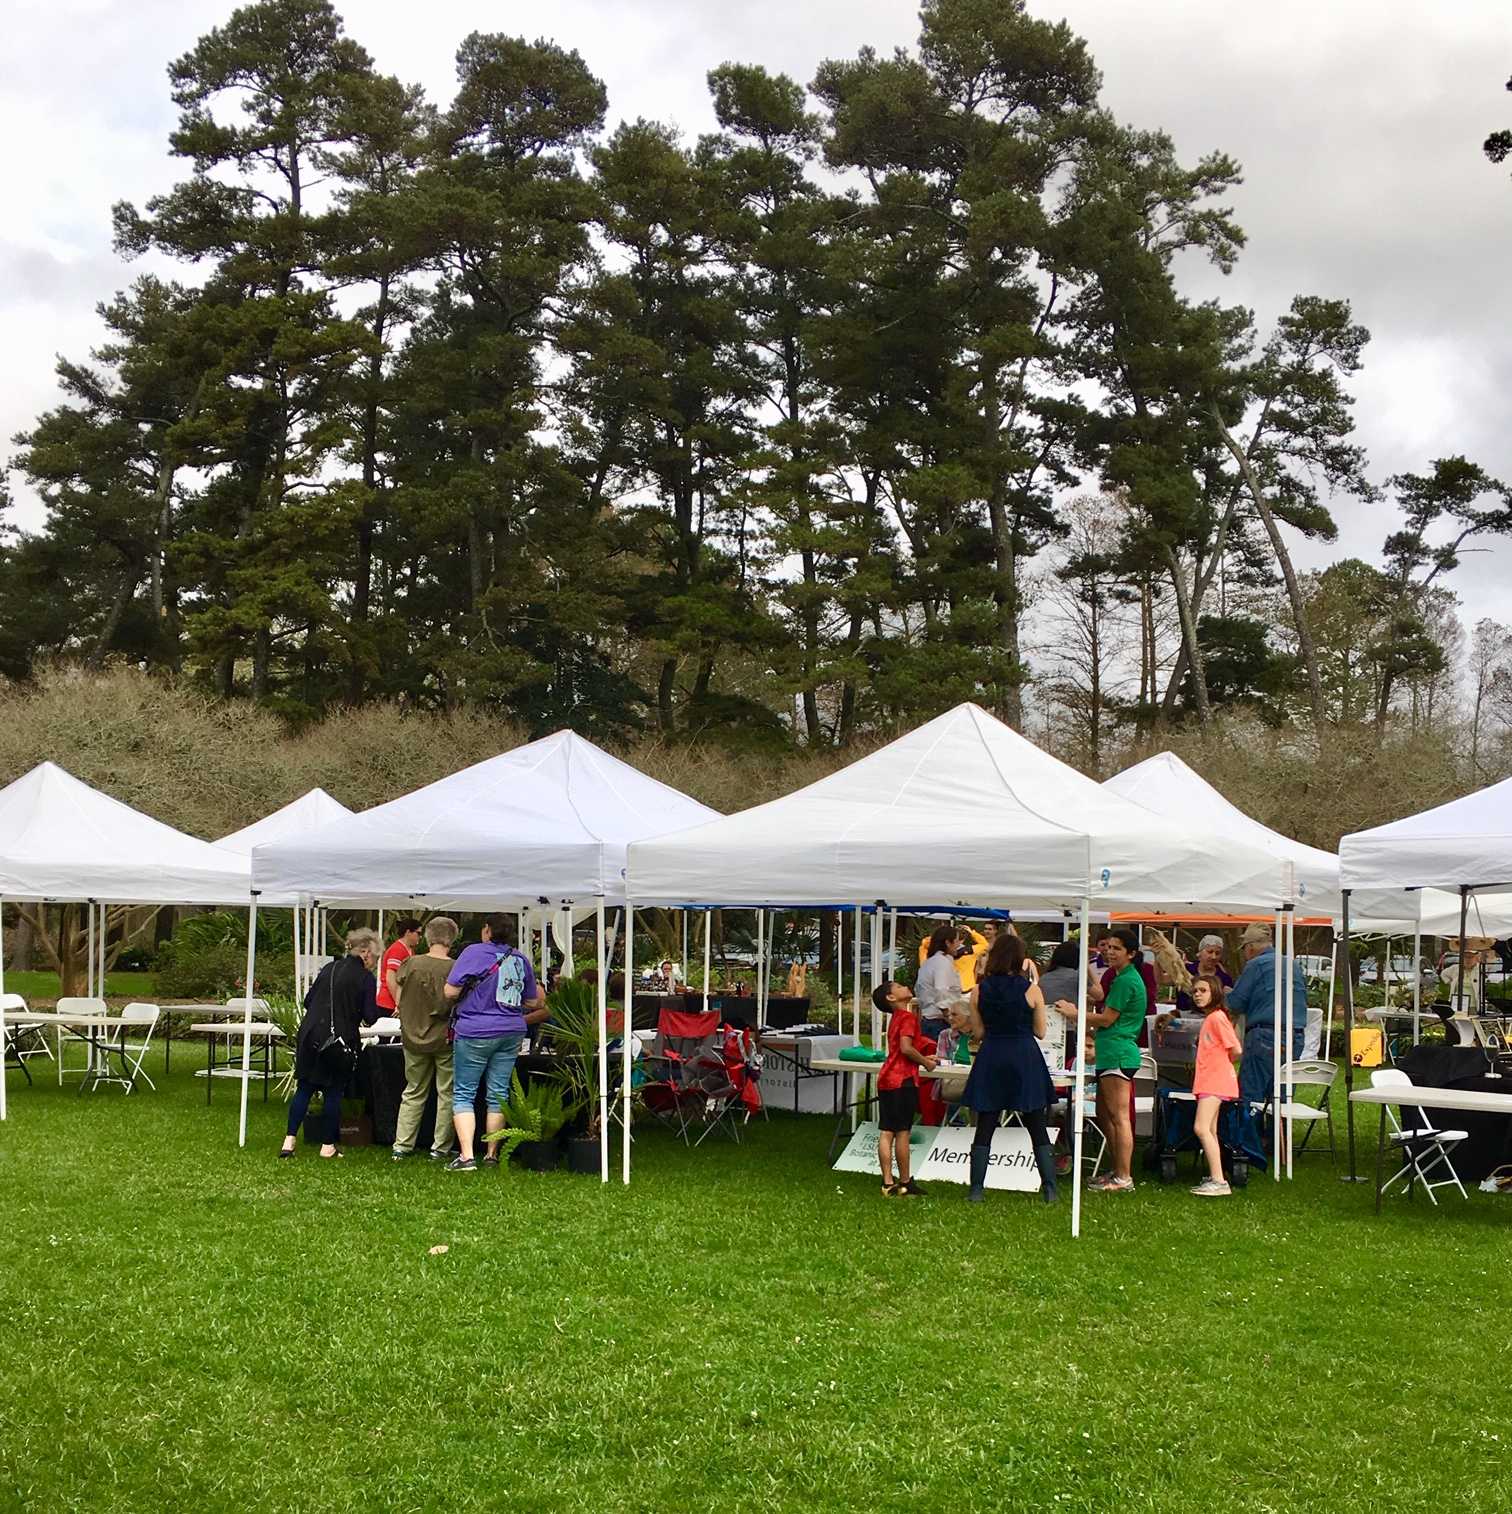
{"x": 1254, "y": 997}
{"x": 497, "y": 997}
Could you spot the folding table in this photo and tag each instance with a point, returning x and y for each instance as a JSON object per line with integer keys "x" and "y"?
{"x": 1420, "y": 1096}
{"x": 265, "y": 1037}
{"x": 94, "y": 1030}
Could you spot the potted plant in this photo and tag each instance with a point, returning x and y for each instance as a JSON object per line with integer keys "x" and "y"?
{"x": 533, "y": 1118}
{"x": 575, "y": 1037}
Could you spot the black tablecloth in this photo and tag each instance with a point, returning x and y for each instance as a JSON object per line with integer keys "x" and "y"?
{"x": 1489, "y": 1142}
{"x": 380, "y": 1085}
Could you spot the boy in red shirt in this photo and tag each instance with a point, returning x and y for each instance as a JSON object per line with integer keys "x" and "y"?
{"x": 898, "y": 1087}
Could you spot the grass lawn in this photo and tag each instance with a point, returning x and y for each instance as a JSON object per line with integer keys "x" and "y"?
{"x": 194, "y": 1326}
{"x": 40, "y": 988}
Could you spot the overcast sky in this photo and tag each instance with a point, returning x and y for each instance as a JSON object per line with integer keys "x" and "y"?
{"x": 1358, "y": 123}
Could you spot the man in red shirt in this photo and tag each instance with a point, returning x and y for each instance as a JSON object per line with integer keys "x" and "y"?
{"x": 898, "y": 1087}
{"x": 407, "y": 938}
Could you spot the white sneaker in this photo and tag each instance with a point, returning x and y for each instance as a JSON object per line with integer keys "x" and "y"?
{"x": 1208, "y": 1189}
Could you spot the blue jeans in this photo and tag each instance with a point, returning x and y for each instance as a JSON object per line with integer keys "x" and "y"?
{"x": 476, "y": 1058}
{"x": 1257, "y": 1068}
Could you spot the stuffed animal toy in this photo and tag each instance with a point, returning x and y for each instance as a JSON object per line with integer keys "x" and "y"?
{"x": 1169, "y": 961}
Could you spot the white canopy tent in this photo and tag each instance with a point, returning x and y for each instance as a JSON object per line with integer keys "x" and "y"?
{"x": 963, "y": 810}
{"x": 541, "y": 828}
{"x": 309, "y": 812}
{"x": 550, "y": 821}
{"x": 1464, "y": 846}
{"x": 62, "y": 841}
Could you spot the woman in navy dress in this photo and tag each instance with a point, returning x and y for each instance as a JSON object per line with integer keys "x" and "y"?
{"x": 1009, "y": 1071}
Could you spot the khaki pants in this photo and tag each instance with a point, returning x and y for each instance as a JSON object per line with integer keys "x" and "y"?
{"x": 420, "y": 1069}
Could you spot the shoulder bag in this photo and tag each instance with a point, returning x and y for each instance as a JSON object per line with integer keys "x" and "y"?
{"x": 333, "y": 1056}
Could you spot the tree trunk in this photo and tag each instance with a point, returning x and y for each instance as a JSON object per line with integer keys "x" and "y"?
{"x": 262, "y": 658}
{"x": 666, "y": 713}
{"x": 19, "y": 953}
{"x": 1189, "y": 637}
{"x": 1305, "y": 645}
{"x": 1005, "y": 585}
{"x": 129, "y": 580}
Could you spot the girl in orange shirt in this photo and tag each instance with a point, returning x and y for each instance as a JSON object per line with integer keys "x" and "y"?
{"x": 1215, "y": 1083}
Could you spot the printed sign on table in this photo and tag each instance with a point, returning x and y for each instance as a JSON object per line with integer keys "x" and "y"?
{"x": 1012, "y": 1165}
{"x": 860, "y": 1155}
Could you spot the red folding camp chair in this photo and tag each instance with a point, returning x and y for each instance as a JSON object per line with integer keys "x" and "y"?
{"x": 677, "y": 1062}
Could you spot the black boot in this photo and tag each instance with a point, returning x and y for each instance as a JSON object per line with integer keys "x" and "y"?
{"x": 981, "y": 1156}
{"x": 1044, "y": 1157}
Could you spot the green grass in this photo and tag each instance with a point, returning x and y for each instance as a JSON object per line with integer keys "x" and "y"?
{"x": 41, "y": 988}
{"x": 195, "y": 1326}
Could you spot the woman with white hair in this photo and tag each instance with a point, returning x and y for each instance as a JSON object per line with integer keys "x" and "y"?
{"x": 341, "y": 1000}
{"x": 1208, "y": 964}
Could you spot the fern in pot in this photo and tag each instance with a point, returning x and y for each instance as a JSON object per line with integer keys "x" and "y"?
{"x": 533, "y": 1119}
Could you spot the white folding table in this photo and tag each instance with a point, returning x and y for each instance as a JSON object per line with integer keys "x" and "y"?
{"x": 96, "y": 1031}
{"x": 1420, "y": 1096}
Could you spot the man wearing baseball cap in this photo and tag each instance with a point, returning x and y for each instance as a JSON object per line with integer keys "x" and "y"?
{"x": 1254, "y": 997}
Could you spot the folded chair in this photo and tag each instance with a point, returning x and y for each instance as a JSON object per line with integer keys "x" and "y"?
{"x": 1426, "y": 1147}
{"x": 1296, "y": 1111}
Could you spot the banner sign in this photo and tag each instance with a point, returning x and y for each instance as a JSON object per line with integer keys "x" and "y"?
{"x": 860, "y": 1155}
{"x": 1012, "y": 1165}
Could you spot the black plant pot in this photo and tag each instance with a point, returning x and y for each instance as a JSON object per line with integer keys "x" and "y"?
{"x": 537, "y": 1156}
{"x": 583, "y": 1155}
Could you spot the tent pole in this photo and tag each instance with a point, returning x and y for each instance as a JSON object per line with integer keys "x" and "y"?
{"x": 1460, "y": 1006}
{"x": 839, "y": 966}
{"x": 856, "y": 974}
{"x": 855, "y": 1004}
{"x": 2, "y": 1009}
{"x": 892, "y": 942}
{"x": 603, "y": 1040}
{"x": 89, "y": 948}
{"x": 760, "y": 964}
{"x": 1417, "y": 983}
{"x": 1079, "y": 1082}
{"x": 1291, "y": 1020}
{"x": 1349, "y": 1062}
{"x": 708, "y": 936}
{"x": 1333, "y": 969}
{"x": 1277, "y": 949}
{"x": 380, "y": 925}
{"x": 629, "y": 1029}
{"x": 684, "y": 963}
{"x": 298, "y": 993}
{"x": 246, "y": 1070}
{"x": 876, "y": 972}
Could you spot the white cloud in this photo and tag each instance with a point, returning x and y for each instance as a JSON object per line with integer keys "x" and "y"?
{"x": 1358, "y": 123}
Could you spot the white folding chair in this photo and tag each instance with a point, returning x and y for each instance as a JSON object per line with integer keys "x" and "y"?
{"x": 131, "y": 1052}
{"x": 17, "y": 1034}
{"x": 78, "y": 1004}
{"x": 1146, "y": 1080}
{"x": 1296, "y": 1111}
{"x": 1426, "y": 1147}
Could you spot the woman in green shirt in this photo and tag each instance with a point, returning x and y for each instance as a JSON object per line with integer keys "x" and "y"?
{"x": 1117, "y": 1023}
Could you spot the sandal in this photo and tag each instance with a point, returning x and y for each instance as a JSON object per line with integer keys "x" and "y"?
{"x": 335, "y": 1156}
{"x": 891, "y": 1190}
{"x": 285, "y": 1155}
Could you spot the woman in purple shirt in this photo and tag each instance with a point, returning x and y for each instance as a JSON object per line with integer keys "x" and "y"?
{"x": 496, "y": 996}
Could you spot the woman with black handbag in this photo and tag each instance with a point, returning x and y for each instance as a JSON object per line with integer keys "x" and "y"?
{"x": 341, "y": 999}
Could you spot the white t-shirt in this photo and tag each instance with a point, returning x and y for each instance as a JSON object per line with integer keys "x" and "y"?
{"x": 937, "y": 987}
